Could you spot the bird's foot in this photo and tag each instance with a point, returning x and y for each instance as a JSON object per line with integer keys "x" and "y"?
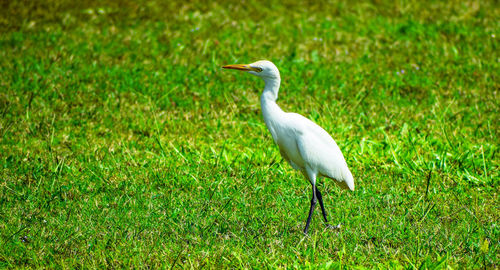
{"x": 333, "y": 227}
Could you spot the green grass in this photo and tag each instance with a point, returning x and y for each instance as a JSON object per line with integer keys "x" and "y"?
{"x": 123, "y": 143}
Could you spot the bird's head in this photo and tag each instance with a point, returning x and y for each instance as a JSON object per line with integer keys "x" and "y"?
{"x": 263, "y": 68}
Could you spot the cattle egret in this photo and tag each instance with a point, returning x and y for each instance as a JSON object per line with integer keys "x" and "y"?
{"x": 304, "y": 144}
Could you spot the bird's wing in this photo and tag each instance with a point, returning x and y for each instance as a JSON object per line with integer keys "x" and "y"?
{"x": 320, "y": 152}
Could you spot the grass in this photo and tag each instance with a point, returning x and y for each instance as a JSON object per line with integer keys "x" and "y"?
{"x": 124, "y": 144}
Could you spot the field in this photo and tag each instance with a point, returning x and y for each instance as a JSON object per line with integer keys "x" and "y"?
{"x": 124, "y": 144}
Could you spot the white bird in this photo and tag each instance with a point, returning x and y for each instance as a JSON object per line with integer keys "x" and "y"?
{"x": 304, "y": 144}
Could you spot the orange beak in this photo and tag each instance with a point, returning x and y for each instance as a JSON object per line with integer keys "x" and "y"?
{"x": 243, "y": 67}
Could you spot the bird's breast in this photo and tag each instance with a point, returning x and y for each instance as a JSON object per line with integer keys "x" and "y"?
{"x": 290, "y": 151}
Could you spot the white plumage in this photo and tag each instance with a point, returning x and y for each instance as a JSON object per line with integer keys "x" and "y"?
{"x": 304, "y": 144}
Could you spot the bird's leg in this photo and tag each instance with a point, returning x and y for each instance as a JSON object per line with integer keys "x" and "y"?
{"x": 311, "y": 210}
{"x": 320, "y": 199}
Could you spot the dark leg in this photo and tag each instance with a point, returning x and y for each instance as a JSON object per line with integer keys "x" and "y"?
{"x": 320, "y": 198}
{"x": 311, "y": 210}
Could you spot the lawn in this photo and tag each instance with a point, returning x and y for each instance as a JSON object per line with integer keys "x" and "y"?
{"x": 124, "y": 144}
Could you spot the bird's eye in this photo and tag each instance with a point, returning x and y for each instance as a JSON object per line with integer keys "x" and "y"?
{"x": 258, "y": 69}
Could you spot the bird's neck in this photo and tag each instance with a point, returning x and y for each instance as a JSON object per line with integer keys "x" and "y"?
{"x": 270, "y": 110}
{"x": 271, "y": 89}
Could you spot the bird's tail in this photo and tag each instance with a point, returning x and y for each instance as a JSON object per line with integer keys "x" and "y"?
{"x": 349, "y": 180}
